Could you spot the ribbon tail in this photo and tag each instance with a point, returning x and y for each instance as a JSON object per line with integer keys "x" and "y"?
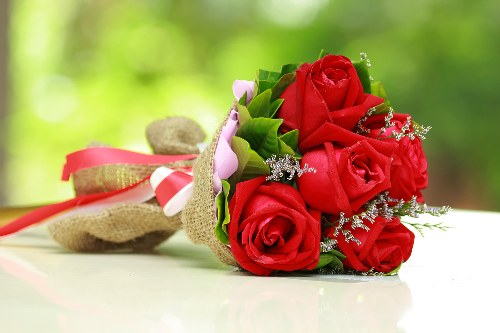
{"x": 172, "y": 189}
{"x": 36, "y": 216}
{"x": 43, "y": 213}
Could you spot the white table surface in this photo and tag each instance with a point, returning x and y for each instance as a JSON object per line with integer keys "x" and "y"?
{"x": 450, "y": 284}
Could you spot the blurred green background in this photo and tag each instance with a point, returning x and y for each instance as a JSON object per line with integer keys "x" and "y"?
{"x": 86, "y": 70}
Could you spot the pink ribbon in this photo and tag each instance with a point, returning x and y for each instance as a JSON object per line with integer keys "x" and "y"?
{"x": 171, "y": 187}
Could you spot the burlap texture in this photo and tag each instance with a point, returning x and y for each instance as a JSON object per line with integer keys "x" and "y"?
{"x": 181, "y": 138}
{"x": 198, "y": 217}
{"x": 140, "y": 226}
{"x": 115, "y": 176}
{"x": 131, "y": 227}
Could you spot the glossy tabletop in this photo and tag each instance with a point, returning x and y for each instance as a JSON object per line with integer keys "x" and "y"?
{"x": 449, "y": 284}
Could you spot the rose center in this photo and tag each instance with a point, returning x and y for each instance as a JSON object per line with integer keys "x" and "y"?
{"x": 275, "y": 232}
{"x": 362, "y": 169}
{"x": 335, "y": 75}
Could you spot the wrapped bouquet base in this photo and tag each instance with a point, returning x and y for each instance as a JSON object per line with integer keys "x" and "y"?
{"x": 199, "y": 215}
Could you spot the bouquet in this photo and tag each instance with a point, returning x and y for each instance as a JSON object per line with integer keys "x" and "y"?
{"x": 312, "y": 170}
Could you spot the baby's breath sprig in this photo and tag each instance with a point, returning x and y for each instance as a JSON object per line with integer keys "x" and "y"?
{"x": 327, "y": 270}
{"x": 420, "y": 227}
{"x": 287, "y": 163}
{"x": 360, "y": 126}
{"x": 388, "y": 123}
{"x": 421, "y": 131}
{"x": 405, "y": 131}
{"x": 414, "y": 209}
{"x": 385, "y": 206}
{"x": 411, "y": 130}
{"x": 364, "y": 57}
{"x": 327, "y": 245}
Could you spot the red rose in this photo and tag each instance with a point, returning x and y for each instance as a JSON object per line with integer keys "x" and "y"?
{"x": 325, "y": 93}
{"x": 346, "y": 177}
{"x": 384, "y": 247}
{"x": 271, "y": 228}
{"x": 409, "y": 168}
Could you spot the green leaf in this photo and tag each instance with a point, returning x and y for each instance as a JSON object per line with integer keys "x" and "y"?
{"x": 378, "y": 90}
{"x": 322, "y": 53}
{"x": 275, "y": 105}
{"x": 282, "y": 84}
{"x": 223, "y": 216}
{"x": 324, "y": 259}
{"x": 285, "y": 149}
{"x": 266, "y": 80}
{"x": 264, "y": 75}
{"x": 338, "y": 254}
{"x": 250, "y": 164}
{"x": 331, "y": 259}
{"x": 243, "y": 114}
{"x": 243, "y": 99}
{"x": 275, "y": 81}
{"x": 336, "y": 263}
{"x": 260, "y": 106}
{"x": 262, "y": 135}
{"x": 289, "y": 68}
{"x": 364, "y": 75}
{"x": 265, "y": 85}
{"x": 291, "y": 139}
{"x": 381, "y": 109}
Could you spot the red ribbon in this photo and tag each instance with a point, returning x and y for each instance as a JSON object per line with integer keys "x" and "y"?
{"x": 171, "y": 185}
{"x": 98, "y": 156}
{"x": 88, "y": 158}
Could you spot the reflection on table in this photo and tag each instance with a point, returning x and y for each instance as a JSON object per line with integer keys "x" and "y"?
{"x": 182, "y": 288}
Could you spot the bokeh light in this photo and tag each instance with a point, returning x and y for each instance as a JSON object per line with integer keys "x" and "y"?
{"x": 86, "y": 70}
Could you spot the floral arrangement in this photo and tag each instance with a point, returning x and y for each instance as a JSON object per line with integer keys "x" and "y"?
{"x": 313, "y": 170}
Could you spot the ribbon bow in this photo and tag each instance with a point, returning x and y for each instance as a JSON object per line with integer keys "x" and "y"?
{"x": 172, "y": 188}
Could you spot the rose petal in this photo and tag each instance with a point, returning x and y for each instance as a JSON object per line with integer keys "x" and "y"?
{"x": 288, "y": 110}
{"x": 358, "y": 189}
{"x": 323, "y": 189}
{"x": 384, "y": 247}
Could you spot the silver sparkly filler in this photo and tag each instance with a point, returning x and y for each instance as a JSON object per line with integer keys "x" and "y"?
{"x": 364, "y": 57}
{"x": 409, "y": 129}
{"x": 287, "y": 163}
{"x": 385, "y": 206}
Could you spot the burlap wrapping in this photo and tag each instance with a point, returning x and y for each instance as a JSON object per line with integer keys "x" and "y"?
{"x": 140, "y": 226}
{"x": 135, "y": 227}
{"x": 198, "y": 217}
{"x": 182, "y": 137}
